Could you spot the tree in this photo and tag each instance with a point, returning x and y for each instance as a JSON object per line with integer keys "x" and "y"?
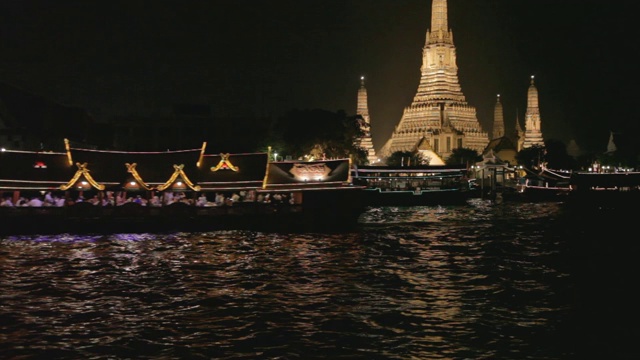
{"x": 556, "y": 156}
{"x": 300, "y": 133}
{"x": 464, "y": 157}
{"x": 553, "y": 155}
{"x": 405, "y": 158}
{"x": 531, "y": 157}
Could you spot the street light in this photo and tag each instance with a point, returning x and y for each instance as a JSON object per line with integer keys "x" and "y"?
{"x": 275, "y": 156}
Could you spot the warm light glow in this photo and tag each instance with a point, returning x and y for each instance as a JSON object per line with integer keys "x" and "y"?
{"x": 310, "y": 171}
{"x": 133, "y": 183}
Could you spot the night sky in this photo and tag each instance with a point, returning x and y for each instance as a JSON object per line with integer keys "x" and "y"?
{"x": 263, "y": 58}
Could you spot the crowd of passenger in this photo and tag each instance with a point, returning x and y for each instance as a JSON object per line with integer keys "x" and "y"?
{"x": 111, "y": 198}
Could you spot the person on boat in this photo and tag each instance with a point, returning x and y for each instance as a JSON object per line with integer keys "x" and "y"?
{"x": 48, "y": 198}
{"x": 155, "y": 201}
{"x": 202, "y": 200}
{"x": 219, "y": 199}
{"x": 35, "y": 202}
{"x": 6, "y": 202}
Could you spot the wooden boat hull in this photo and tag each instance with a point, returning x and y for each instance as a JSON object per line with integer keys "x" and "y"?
{"x": 598, "y": 191}
{"x": 377, "y": 197}
{"x": 323, "y": 210}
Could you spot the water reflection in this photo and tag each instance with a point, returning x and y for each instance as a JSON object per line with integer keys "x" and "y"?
{"x": 481, "y": 282}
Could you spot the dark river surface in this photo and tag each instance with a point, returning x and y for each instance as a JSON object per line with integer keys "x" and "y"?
{"x": 478, "y": 281}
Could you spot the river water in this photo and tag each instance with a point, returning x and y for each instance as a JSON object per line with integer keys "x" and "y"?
{"x": 476, "y": 281}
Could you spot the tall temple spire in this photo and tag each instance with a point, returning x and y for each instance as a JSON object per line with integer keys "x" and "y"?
{"x": 362, "y": 109}
{"x": 519, "y": 132}
{"x": 439, "y": 21}
{"x": 439, "y": 111}
{"x": 532, "y": 127}
{"x": 498, "y": 120}
{"x": 611, "y": 146}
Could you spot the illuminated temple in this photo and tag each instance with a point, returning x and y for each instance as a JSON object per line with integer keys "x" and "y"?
{"x": 439, "y": 116}
{"x": 365, "y": 142}
{"x": 533, "y": 131}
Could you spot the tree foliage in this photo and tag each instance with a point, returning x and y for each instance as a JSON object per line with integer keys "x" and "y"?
{"x": 531, "y": 157}
{"x": 553, "y": 155}
{"x": 322, "y": 133}
{"x": 463, "y": 157}
{"x": 405, "y": 158}
{"x": 556, "y": 156}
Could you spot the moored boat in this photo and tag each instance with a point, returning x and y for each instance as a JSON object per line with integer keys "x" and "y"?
{"x": 545, "y": 185}
{"x": 604, "y": 190}
{"x": 413, "y": 185}
{"x": 85, "y": 190}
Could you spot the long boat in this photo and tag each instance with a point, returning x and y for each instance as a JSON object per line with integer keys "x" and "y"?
{"x": 413, "y": 185}
{"x": 618, "y": 190}
{"x": 545, "y": 185}
{"x": 86, "y": 190}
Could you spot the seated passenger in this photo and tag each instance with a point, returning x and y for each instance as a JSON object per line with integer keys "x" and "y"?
{"x": 35, "y": 202}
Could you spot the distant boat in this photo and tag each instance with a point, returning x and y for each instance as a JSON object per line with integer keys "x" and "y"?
{"x": 413, "y": 185}
{"x": 604, "y": 190}
{"x": 545, "y": 185}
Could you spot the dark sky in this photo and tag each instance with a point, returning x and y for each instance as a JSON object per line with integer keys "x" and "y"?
{"x": 255, "y": 57}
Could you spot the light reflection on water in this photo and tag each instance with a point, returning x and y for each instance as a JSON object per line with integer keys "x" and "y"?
{"x": 482, "y": 281}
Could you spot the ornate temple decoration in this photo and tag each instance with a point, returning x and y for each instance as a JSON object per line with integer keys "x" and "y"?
{"x": 82, "y": 172}
{"x": 179, "y": 172}
{"x": 439, "y": 111}
{"x": 67, "y": 147}
{"x": 131, "y": 168}
{"x": 201, "y": 157}
{"x": 307, "y": 172}
{"x": 532, "y": 125}
{"x": 224, "y": 164}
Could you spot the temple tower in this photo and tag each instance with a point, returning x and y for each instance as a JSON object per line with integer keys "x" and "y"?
{"x": 363, "y": 110}
{"x": 498, "y": 120}
{"x": 532, "y": 129}
{"x": 611, "y": 146}
{"x": 439, "y": 112}
{"x": 518, "y": 134}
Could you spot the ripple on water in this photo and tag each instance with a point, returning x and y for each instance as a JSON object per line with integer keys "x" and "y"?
{"x": 475, "y": 281}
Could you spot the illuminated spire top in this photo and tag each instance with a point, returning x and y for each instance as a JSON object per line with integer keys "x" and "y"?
{"x": 532, "y": 97}
{"x": 439, "y": 16}
{"x": 366, "y": 143}
{"x": 533, "y": 123}
{"x": 363, "y": 107}
{"x": 498, "y": 120}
